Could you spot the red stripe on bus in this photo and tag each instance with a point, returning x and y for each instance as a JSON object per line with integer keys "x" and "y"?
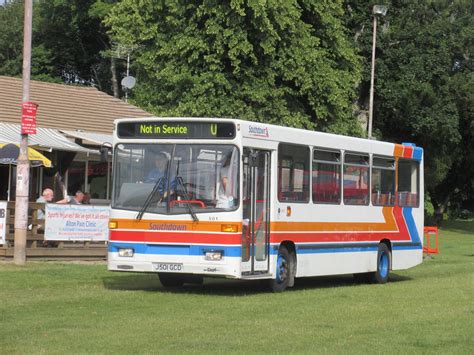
{"x": 407, "y": 152}
{"x": 170, "y": 237}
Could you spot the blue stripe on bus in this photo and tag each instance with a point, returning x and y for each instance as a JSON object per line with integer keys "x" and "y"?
{"x": 199, "y": 250}
{"x": 414, "y": 246}
{"x": 341, "y": 249}
{"x": 417, "y": 153}
{"x": 175, "y": 249}
{"x": 411, "y": 225}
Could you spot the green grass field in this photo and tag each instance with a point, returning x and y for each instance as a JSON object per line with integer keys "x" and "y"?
{"x": 49, "y": 307}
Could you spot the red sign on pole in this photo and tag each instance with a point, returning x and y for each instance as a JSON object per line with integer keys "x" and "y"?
{"x": 28, "y": 118}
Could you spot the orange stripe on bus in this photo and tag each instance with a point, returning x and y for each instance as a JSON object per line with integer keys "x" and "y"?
{"x": 388, "y": 225}
{"x": 173, "y": 226}
{"x": 398, "y": 151}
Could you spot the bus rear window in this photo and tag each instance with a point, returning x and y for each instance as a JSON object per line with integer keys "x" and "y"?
{"x": 408, "y": 183}
{"x": 383, "y": 181}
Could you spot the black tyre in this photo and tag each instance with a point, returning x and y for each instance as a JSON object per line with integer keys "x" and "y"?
{"x": 171, "y": 280}
{"x": 284, "y": 268}
{"x": 384, "y": 262}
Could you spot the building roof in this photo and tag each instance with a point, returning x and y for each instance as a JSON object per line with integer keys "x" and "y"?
{"x": 65, "y": 106}
{"x": 44, "y": 139}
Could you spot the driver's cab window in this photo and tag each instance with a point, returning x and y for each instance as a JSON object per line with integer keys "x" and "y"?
{"x": 174, "y": 178}
{"x": 207, "y": 175}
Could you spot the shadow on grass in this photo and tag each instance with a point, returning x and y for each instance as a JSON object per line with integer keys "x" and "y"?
{"x": 150, "y": 282}
{"x": 338, "y": 281}
{"x": 459, "y": 226}
{"x": 224, "y": 287}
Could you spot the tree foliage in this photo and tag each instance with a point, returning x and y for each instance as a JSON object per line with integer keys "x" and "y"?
{"x": 67, "y": 44}
{"x": 423, "y": 76}
{"x": 300, "y": 63}
{"x": 281, "y": 62}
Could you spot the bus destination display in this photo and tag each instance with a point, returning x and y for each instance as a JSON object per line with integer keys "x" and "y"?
{"x": 176, "y": 130}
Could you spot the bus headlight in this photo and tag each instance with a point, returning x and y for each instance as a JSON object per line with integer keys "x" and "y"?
{"x": 213, "y": 255}
{"x": 126, "y": 252}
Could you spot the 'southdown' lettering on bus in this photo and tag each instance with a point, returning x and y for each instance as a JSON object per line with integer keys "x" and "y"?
{"x": 167, "y": 227}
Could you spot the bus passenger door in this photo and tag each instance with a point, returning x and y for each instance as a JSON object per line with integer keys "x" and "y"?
{"x": 256, "y": 211}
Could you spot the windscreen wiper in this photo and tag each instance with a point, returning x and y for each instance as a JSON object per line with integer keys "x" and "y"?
{"x": 150, "y": 197}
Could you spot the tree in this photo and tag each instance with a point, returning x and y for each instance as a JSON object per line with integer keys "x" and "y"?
{"x": 68, "y": 42}
{"x": 280, "y": 62}
{"x": 75, "y": 40}
{"x": 422, "y": 95}
{"x": 11, "y": 45}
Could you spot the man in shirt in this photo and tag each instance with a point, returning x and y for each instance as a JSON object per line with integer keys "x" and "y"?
{"x": 77, "y": 199}
{"x": 47, "y": 197}
{"x": 159, "y": 174}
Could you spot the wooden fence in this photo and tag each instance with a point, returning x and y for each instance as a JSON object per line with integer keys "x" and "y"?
{"x": 37, "y": 247}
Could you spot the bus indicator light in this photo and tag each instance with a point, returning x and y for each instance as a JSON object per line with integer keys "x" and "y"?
{"x": 112, "y": 225}
{"x": 229, "y": 228}
{"x": 288, "y": 211}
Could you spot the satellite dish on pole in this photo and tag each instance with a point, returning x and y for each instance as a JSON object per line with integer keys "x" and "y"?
{"x": 129, "y": 82}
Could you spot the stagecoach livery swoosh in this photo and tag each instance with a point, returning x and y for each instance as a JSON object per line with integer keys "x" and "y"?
{"x": 399, "y": 225}
{"x": 165, "y": 237}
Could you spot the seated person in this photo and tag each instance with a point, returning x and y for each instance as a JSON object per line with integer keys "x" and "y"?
{"x": 47, "y": 197}
{"x": 225, "y": 199}
{"x": 78, "y": 198}
{"x": 159, "y": 174}
{"x": 87, "y": 199}
{"x": 160, "y": 169}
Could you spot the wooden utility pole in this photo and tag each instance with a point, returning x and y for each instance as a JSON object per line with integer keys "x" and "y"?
{"x": 23, "y": 164}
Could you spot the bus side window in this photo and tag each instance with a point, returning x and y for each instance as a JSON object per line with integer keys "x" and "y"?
{"x": 408, "y": 183}
{"x": 326, "y": 177}
{"x": 356, "y": 179}
{"x": 383, "y": 181}
{"x": 293, "y": 173}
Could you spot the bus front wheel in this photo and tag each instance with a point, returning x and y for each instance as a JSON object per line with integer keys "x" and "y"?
{"x": 171, "y": 280}
{"x": 284, "y": 268}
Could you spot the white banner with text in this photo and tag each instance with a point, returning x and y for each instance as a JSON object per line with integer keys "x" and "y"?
{"x": 3, "y": 221}
{"x": 76, "y": 222}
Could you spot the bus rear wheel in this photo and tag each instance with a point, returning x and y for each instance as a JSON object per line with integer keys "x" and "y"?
{"x": 384, "y": 260}
{"x": 171, "y": 280}
{"x": 284, "y": 268}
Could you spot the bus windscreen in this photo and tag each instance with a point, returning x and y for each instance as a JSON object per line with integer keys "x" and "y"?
{"x": 176, "y": 130}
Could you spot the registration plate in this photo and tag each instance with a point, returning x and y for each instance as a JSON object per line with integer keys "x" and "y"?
{"x": 168, "y": 267}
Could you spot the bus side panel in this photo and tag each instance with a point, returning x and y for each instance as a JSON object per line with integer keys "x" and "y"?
{"x": 320, "y": 264}
{"x": 404, "y": 259}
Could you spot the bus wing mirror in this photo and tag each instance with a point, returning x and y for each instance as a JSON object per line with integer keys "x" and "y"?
{"x": 104, "y": 150}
